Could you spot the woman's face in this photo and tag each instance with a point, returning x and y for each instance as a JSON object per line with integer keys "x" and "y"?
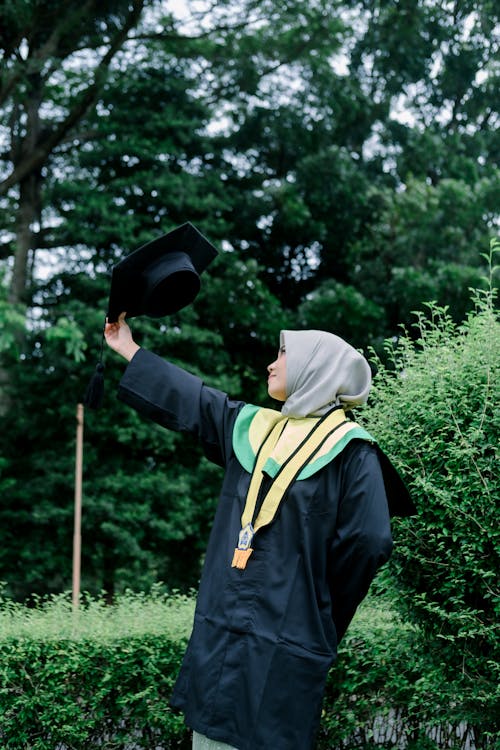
{"x": 276, "y": 382}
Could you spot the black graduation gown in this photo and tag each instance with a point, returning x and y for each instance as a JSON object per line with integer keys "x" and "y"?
{"x": 265, "y": 637}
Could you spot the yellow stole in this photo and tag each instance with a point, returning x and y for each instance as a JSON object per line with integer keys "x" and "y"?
{"x": 330, "y": 429}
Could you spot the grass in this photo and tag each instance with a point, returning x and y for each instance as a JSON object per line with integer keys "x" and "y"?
{"x": 131, "y": 615}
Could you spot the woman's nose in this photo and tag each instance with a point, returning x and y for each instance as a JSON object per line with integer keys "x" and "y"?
{"x": 271, "y": 366}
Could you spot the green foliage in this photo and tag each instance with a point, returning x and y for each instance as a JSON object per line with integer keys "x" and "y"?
{"x": 387, "y": 691}
{"x": 104, "y": 674}
{"x": 131, "y": 614}
{"x": 101, "y": 675}
{"x": 277, "y": 129}
{"x": 67, "y": 332}
{"x": 147, "y": 492}
{"x": 343, "y": 310}
{"x": 435, "y": 412}
{"x": 12, "y": 322}
{"x": 422, "y": 245}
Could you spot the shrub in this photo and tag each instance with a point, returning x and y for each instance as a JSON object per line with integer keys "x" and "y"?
{"x": 386, "y": 692}
{"x": 101, "y": 678}
{"x": 435, "y": 411}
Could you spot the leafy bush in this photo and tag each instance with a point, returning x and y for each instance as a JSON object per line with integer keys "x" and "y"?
{"x": 100, "y": 677}
{"x": 386, "y": 691}
{"x": 103, "y": 677}
{"x": 435, "y": 411}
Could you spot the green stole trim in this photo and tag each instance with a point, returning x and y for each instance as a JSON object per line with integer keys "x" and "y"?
{"x": 333, "y": 429}
{"x": 253, "y": 424}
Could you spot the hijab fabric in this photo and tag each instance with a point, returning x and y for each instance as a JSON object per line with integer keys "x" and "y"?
{"x": 322, "y": 371}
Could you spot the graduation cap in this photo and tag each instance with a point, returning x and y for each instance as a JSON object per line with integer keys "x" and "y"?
{"x": 162, "y": 276}
{"x": 158, "y": 279}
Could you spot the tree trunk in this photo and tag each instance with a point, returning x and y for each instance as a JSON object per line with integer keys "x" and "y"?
{"x": 29, "y": 208}
{"x": 28, "y": 213}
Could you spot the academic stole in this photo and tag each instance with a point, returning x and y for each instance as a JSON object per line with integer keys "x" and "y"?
{"x": 287, "y": 473}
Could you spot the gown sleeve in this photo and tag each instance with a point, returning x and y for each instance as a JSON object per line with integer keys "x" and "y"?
{"x": 362, "y": 541}
{"x": 180, "y": 401}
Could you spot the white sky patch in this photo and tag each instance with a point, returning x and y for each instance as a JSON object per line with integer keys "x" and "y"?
{"x": 221, "y": 126}
{"x": 53, "y": 261}
{"x": 401, "y": 113}
{"x": 340, "y": 63}
{"x": 196, "y": 15}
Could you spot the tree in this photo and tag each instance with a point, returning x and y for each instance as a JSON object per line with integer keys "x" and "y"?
{"x": 274, "y": 128}
{"x": 38, "y": 39}
{"x": 421, "y": 247}
{"x": 390, "y": 130}
{"x": 342, "y": 310}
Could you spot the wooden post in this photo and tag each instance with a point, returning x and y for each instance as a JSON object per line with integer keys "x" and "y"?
{"x": 77, "y": 533}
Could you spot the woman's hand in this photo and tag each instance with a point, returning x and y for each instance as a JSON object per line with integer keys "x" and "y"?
{"x": 119, "y": 337}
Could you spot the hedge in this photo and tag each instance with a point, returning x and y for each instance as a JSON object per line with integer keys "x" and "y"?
{"x": 103, "y": 679}
{"x": 100, "y": 678}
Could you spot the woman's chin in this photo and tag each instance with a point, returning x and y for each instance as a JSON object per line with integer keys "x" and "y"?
{"x": 276, "y": 396}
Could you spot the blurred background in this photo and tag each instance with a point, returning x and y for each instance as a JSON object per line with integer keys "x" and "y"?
{"x": 342, "y": 156}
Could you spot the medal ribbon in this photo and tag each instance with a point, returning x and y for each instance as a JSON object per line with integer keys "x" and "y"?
{"x": 332, "y": 422}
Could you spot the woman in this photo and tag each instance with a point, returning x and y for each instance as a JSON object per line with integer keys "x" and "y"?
{"x": 301, "y": 527}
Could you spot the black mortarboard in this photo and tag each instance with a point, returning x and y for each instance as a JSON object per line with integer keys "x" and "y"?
{"x": 159, "y": 278}
{"x": 162, "y": 276}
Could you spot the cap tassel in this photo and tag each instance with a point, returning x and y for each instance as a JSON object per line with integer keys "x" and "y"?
{"x": 95, "y": 390}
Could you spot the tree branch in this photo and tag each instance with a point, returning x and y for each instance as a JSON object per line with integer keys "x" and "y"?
{"x": 37, "y": 157}
{"x": 25, "y": 67}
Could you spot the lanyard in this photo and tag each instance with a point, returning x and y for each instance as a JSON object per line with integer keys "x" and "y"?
{"x": 332, "y": 422}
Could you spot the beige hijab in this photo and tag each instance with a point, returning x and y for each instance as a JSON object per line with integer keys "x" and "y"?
{"x": 322, "y": 371}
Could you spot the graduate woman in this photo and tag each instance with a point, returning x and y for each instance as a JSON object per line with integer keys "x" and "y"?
{"x": 301, "y": 528}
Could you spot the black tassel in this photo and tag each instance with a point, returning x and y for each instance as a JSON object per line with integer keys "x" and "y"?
{"x": 95, "y": 389}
